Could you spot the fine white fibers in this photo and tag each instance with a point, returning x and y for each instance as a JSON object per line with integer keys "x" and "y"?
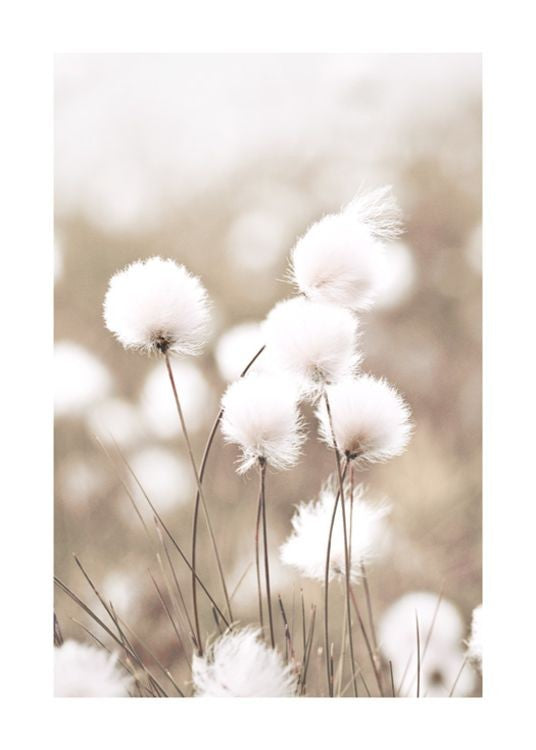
{"x": 474, "y": 645}
{"x": 441, "y": 627}
{"x": 306, "y": 547}
{"x": 260, "y": 414}
{"x": 240, "y": 665}
{"x": 340, "y": 258}
{"x": 313, "y": 341}
{"x": 157, "y": 305}
{"x": 85, "y": 671}
{"x": 371, "y": 421}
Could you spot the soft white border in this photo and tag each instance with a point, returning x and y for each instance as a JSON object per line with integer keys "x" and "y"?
{"x": 31, "y": 32}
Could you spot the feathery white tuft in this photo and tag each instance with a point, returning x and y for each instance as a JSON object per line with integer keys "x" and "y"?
{"x": 379, "y": 211}
{"x": 441, "y": 628}
{"x": 157, "y": 305}
{"x": 240, "y": 665}
{"x": 474, "y": 645}
{"x": 260, "y": 414}
{"x": 371, "y": 421}
{"x": 85, "y": 671}
{"x": 313, "y": 341}
{"x": 340, "y": 258}
{"x": 306, "y": 547}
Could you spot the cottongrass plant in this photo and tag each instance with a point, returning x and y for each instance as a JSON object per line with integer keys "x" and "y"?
{"x": 305, "y": 547}
{"x": 340, "y": 259}
{"x": 156, "y": 305}
{"x": 369, "y": 420}
{"x": 261, "y": 416}
{"x": 314, "y": 342}
{"x": 240, "y": 665}
{"x": 306, "y": 350}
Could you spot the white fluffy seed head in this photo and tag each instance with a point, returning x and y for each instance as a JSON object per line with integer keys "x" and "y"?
{"x": 315, "y": 342}
{"x": 157, "y": 305}
{"x": 306, "y": 547}
{"x": 340, "y": 258}
{"x": 371, "y": 421}
{"x": 474, "y": 645}
{"x": 85, "y": 671}
{"x": 260, "y": 414}
{"x": 240, "y": 665}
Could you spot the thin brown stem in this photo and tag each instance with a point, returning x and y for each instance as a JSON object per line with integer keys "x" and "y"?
{"x": 308, "y": 644}
{"x": 257, "y": 559}
{"x": 199, "y": 488}
{"x": 453, "y": 688}
{"x": 262, "y": 465}
{"x": 367, "y": 643}
{"x": 346, "y": 549}
{"x": 168, "y": 532}
{"x": 202, "y": 468}
{"x": 326, "y": 591}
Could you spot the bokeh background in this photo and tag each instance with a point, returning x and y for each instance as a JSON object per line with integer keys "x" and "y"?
{"x": 221, "y": 162}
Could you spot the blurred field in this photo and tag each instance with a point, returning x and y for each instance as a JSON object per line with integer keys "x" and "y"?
{"x": 221, "y": 163}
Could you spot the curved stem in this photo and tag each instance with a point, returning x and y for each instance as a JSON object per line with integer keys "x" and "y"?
{"x": 202, "y": 468}
{"x": 262, "y": 464}
{"x": 199, "y": 488}
{"x": 326, "y": 589}
{"x": 257, "y": 559}
{"x": 346, "y": 550}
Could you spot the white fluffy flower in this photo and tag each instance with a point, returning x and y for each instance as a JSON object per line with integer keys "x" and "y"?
{"x": 157, "y": 305}
{"x": 236, "y": 347}
{"x": 240, "y": 665}
{"x": 443, "y": 658}
{"x": 260, "y": 414}
{"x": 85, "y": 671}
{"x": 340, "y": 258}
{"x": 474, "y": 646}
{"x": 371, "y": 421}
{"x": 80, "y": 379}
{"x": 306, "y": 547}
{"x": 315, "y": 342}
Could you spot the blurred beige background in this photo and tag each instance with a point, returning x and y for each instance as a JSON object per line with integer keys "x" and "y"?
{"x": 221, "y": 162}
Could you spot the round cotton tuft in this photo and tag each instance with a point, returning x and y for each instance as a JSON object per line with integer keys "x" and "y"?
{"x": 156, "y": 305}
{"x": 315, "y": 342}
{"x": 371, "y": 421}
{"x": 240, "y": 665}
{"x": 260, "y": 414}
